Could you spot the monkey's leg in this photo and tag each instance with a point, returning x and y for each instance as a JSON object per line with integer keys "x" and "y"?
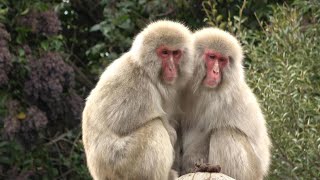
{"x": 144, "y": 154}
{"x": 155, "y": 153}
{"x": 232, "y": 150}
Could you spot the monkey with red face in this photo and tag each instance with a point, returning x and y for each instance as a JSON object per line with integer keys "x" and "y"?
{"x": 128, "y": 120}
{"x": 223, "y": 123}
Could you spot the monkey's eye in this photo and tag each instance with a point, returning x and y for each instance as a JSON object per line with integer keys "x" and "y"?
{"x": 176, "y": 53}
{"x": 223, "y": 59}
{"x": 165, "y": 52}
{"x": 212, "y": 56}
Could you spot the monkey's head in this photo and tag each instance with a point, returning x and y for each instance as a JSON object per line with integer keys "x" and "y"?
{"x": 218, "y": 58}
{"x": 164, "y": 50}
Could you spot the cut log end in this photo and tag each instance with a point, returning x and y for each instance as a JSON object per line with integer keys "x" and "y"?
{"x": 205, "y": 176}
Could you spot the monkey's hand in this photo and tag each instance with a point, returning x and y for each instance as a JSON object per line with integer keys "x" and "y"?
{"x": 206, "y": 167}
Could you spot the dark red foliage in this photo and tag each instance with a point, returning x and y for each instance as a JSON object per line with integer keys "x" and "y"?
{"x": 35, "y": 119}
{"x": 49, "y": 77}
{"x": 50, "y": 87}
{"x": 5, "y": 56}
{"x": 26, "y": 126}
{"x": 30, "y": 21}
{"x": 11, "y": 127}
{"x": 27, "y": 50}
{"x": 47, "y": 22}
{"x": 75, "y": 105}
{"x": 4, "y": 35}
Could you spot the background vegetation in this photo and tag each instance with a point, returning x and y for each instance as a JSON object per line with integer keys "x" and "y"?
{"x": 52, "y": 52}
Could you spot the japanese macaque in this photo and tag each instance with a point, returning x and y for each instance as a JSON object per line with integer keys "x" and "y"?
{"x": 128, "y": 118}
{"x": 223, "y": 123}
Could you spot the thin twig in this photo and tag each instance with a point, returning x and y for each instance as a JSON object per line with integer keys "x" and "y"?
{"x": 81, "y": 75}
{"x": 57, "y": 139}
{"x": 284, "y": 157}
{"x": 65, "y": 174}
{"x": 165, "y": 13}
{"x": 240, "y": 14}
{"x": 260, "y": 23}
{"x": 74, "y": 144}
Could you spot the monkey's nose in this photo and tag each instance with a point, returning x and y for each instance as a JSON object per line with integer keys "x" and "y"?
{"x": 215, "y": 71}
{"x": 171, "y": 67}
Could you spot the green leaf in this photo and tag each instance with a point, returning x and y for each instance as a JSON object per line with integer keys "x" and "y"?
{"x": 96, "y": 27}
{"x": 25, "y": 11}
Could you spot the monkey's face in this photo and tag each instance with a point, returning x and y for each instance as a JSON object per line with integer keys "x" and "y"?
{"x": 215, "y": 63}
{"x": 170, "y": 60}
{"x": 164, "y": 50}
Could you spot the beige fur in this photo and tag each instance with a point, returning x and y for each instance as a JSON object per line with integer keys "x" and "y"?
{"x": 224, "y": 125}
{"x": 128, "y": 116}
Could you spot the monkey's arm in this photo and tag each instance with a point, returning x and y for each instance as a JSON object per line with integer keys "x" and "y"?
{"x": 256, "y": 133}
{"x": 231, "y": 149}
{"x": 195, "y": 150}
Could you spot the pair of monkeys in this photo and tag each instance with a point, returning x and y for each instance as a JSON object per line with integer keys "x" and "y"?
{"x": 173, "y": 81}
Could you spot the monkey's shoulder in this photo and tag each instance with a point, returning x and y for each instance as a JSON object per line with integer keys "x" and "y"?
{"x": 124, "y": 68}
{"x": 123, "y": 82}
{"x": 124, "y": 72}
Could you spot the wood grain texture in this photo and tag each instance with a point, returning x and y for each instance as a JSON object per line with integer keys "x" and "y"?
{"x": 205, "y": 176}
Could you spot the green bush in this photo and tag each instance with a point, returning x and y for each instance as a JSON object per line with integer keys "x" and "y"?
{"x": 232, "y": 15}
{"x": 285, "y": 75}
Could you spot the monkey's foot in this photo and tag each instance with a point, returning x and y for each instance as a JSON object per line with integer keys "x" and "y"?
{"x": 206, "y": 167}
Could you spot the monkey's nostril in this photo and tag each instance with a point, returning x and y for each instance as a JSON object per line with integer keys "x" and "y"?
{"x": 215, "y": 71}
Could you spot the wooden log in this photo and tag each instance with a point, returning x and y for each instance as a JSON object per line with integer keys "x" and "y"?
{"x": 205, "y": 176}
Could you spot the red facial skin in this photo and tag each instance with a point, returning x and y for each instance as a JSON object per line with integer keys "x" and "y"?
{"x": 215, "y": 63}
{"x": 170, "y": 59}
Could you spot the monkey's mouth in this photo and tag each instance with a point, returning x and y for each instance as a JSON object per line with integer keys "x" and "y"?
{"x": 211, "y": 82}
{"x": 170, "y": 79}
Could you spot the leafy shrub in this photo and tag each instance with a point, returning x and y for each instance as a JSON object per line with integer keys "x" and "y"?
{"x": 232, "y": 15}
{"x": 284, "y": 74}
{"x": 38, "y": 100}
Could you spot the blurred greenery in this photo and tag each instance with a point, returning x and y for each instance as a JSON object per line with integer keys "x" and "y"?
{"x": 285, "y": 75}
{"x": 282, "y": 48}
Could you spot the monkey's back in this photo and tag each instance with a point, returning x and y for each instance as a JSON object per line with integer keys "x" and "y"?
{"x": 123, "y": 98}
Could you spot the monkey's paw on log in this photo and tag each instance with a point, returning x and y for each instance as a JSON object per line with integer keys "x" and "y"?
{"x": 205, "y": 176}
{"x": 206, "y": 167}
